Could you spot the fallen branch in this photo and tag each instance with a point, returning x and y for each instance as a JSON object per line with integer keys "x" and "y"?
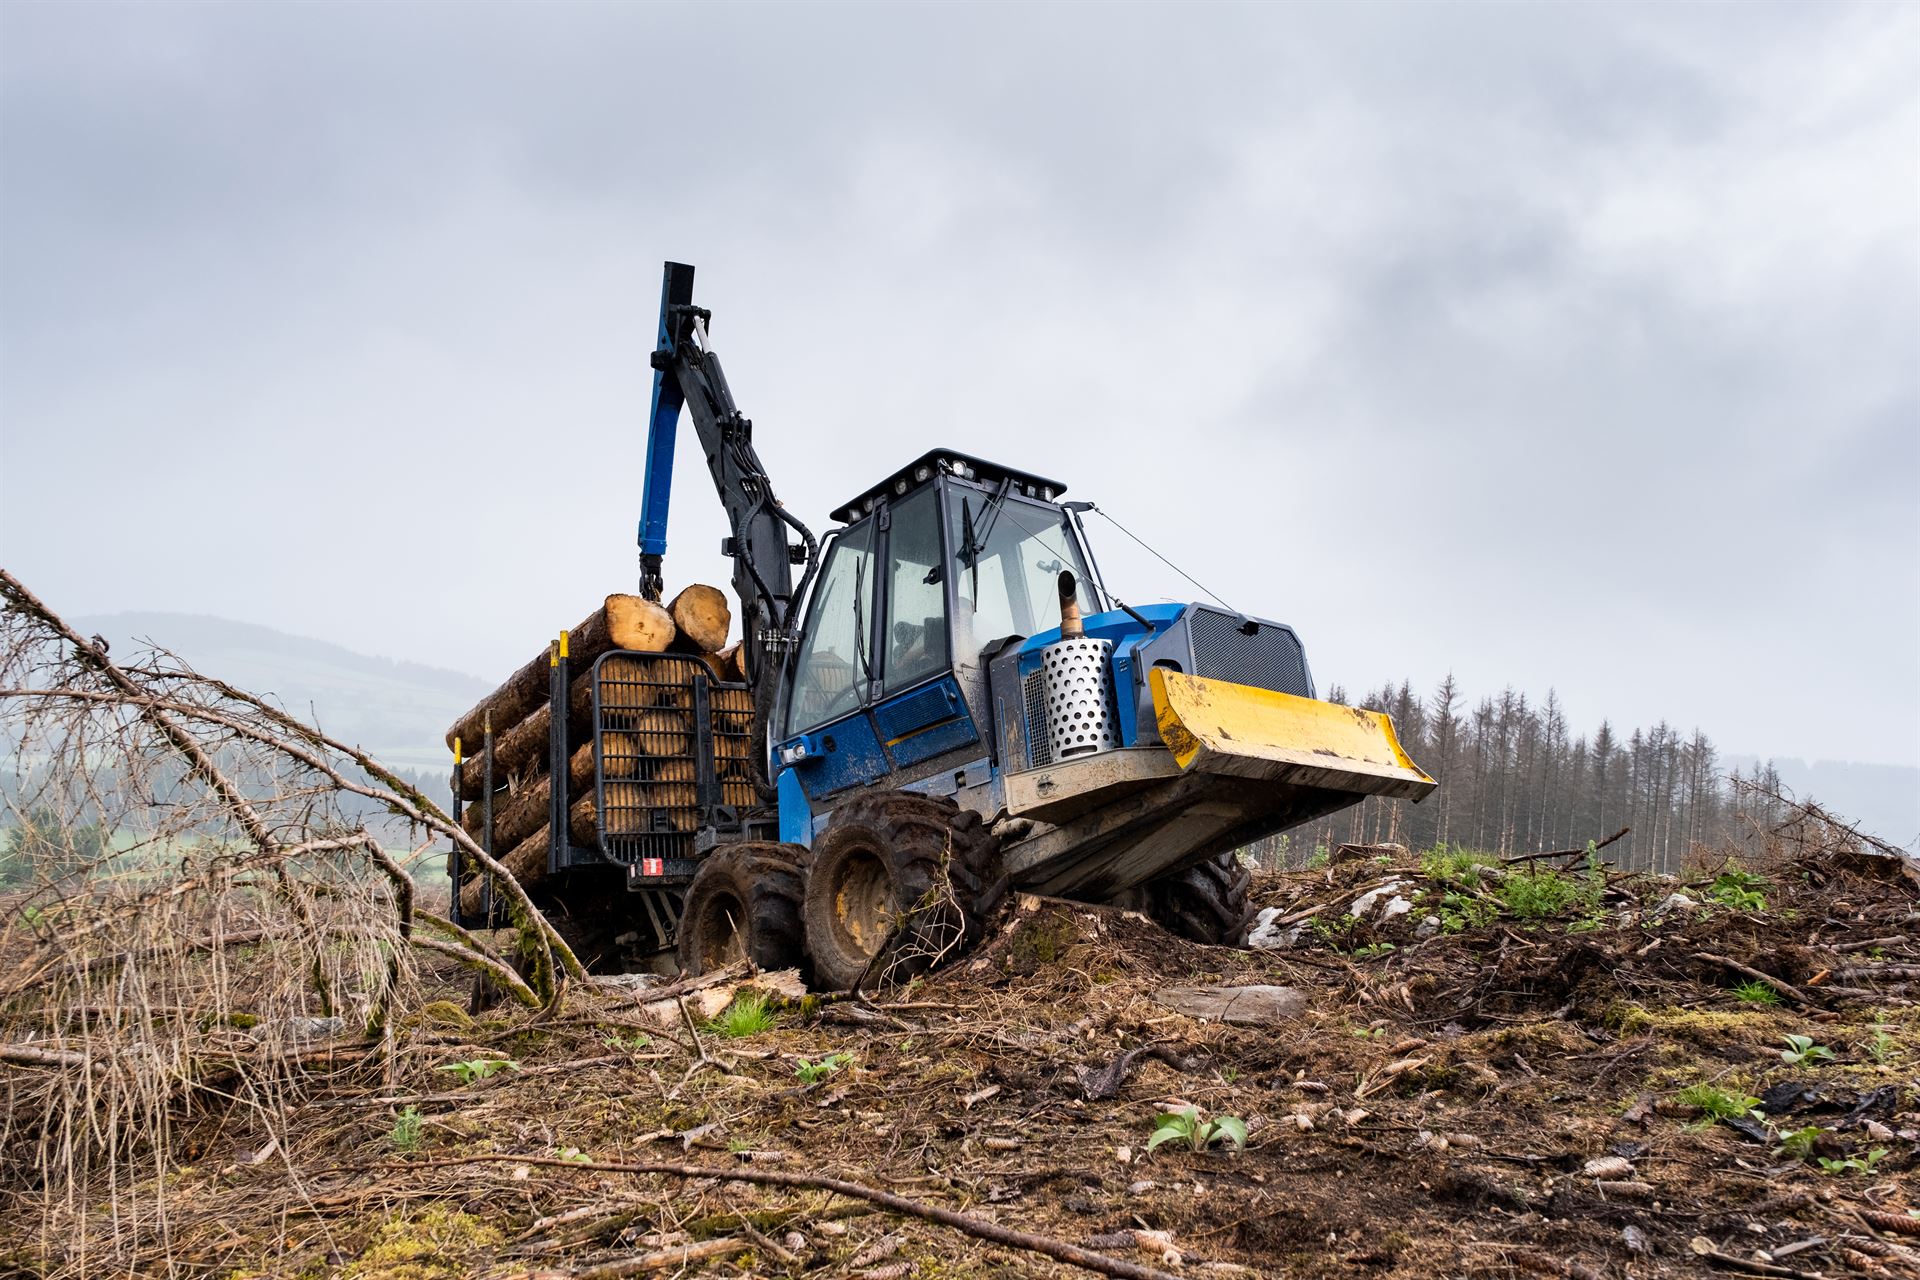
{"x": 500, "y": 973}
{"x": 1786, "y": 989}
{"x": 1732, "y": 1263}
{"x": 27, "y": 1055}
{"x": 979, "y": 1228}
{"x": 666, "y": 1259}
{"x": 1867, "y": 944}
{"x": 1567, "y": 853}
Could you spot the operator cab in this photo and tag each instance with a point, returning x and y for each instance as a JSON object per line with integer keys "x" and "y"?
{"x": 947, "y": 557}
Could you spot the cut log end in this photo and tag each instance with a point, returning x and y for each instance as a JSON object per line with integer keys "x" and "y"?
{"x": 634, "y": 622}
{"x": 701, "y": 616}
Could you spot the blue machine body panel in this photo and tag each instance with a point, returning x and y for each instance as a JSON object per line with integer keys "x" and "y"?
{"x": 796, "y": 815}
{"x": 905, "y": 730}
{"x": 843, "y": 753}
{"x": 929, "y": 721}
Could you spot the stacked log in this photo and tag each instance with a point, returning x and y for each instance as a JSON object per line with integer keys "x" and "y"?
{"x": 647, "y": 756}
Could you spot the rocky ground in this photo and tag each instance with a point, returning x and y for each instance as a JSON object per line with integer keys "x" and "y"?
{"x": 1477, "y": 1070}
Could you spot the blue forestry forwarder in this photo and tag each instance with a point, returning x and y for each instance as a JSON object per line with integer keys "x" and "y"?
{"x": 948, "y": 703}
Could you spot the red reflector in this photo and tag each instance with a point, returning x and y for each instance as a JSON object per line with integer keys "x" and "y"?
{"x": 653, "y": 866}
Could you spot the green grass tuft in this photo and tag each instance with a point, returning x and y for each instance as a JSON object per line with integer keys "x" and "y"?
{"x": 748, "y": 1015}
{"x": 1455, "y": 865}
{"x": 1718, "y": 1103}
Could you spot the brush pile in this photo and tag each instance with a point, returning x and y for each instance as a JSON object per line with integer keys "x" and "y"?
{"x": 198, "y": 908}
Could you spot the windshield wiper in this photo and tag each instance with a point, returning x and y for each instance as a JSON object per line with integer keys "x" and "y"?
{"x": 976, "y": 542}
{"x": 970, "y": 553}
{"x": 860, "y": 624}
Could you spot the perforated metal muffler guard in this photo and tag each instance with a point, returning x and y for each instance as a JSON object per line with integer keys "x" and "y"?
{"x": 1080, "y": 713}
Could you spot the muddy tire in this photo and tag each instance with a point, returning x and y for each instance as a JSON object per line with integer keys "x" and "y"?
{"x": 909, "y": 874}
{"x": 1208, "y": 902}
{"x": 744, "y": 904}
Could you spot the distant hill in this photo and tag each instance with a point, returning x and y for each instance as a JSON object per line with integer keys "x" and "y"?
{"x": 1881, "y": 799}
{"x": 397, "y": 710}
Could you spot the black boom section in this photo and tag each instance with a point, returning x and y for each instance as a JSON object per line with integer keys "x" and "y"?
{"x": 763, "y": 559}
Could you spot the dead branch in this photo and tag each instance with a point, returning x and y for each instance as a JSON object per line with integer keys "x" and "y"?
{"x": 1567, "y": 853}
{"x": 404, "y": 801}
{"x": 28, "y": 1055}
{"x": 979, "y": 1228}
{"x": 1786, "y": 989}
{"x": 667, "y": 1259}
{"x": 192, "y": 852}
{"x": 480, "y": 962}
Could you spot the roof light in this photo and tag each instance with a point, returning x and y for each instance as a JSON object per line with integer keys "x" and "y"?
{"x": 867, "y": 505}
{"x": 922, "y": 473}
{"x": 900, "y": 485}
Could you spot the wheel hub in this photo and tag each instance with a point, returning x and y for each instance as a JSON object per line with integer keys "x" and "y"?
{"x": 723, "y": 940}
{"x": 863, "y": 904}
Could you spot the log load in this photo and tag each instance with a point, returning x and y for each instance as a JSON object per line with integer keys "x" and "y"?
{"x": 701, "y": 616}
{"x": 519, "y": 814}
{"x": 523, "y": 748}
{"x": 622, "y": 622}
{"x": 646, "y": 751}
{"x": 528, "y": 859}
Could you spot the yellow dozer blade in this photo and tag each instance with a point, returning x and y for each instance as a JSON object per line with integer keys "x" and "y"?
{"x": 1212, "y": 726}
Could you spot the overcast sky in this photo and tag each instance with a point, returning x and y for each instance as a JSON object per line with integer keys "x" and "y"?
{"x": 1550, "y": 345}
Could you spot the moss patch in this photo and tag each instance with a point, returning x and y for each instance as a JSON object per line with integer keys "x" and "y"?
{"x": 440, "y": 1242}
{"x": 445, "y": 1013}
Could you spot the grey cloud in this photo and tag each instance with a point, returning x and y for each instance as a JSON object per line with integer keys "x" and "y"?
{"x": 1560, "y": 345}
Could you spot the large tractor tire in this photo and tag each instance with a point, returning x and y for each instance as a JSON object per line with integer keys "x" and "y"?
{"x": 907, "y": 874}
{"x": 1208, "y": 902}
{"x": 744, "y": 904}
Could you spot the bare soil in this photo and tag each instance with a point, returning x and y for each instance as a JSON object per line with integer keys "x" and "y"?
{"x": 1434, "y": 1112}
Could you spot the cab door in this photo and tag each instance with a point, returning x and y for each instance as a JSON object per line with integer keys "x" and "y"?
{"x": 827, "y": 735}
{"x": 920, "y": 714}
{"x": 872, "y": 692}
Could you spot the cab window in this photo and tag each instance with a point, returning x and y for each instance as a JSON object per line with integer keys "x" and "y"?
{"x": 830, "y": 677}
{"x": 1007, "y": 558}
{"x": 916, "y": 593}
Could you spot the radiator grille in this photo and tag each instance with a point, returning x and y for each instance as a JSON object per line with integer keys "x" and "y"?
{"x": 1268, "y": 659}
{"x": 1039, "y": 732}
{"x": 650, "y": 721}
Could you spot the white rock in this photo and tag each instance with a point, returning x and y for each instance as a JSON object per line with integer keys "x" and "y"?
{"x": 1363, "y": 905}
{"x": 1427, "y": 927}
{"x": 1268, "y": 935}
{"x": 1676, "y": 902}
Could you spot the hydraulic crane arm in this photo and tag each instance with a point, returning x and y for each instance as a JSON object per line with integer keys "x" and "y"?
{"x": 687, "y": 374}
